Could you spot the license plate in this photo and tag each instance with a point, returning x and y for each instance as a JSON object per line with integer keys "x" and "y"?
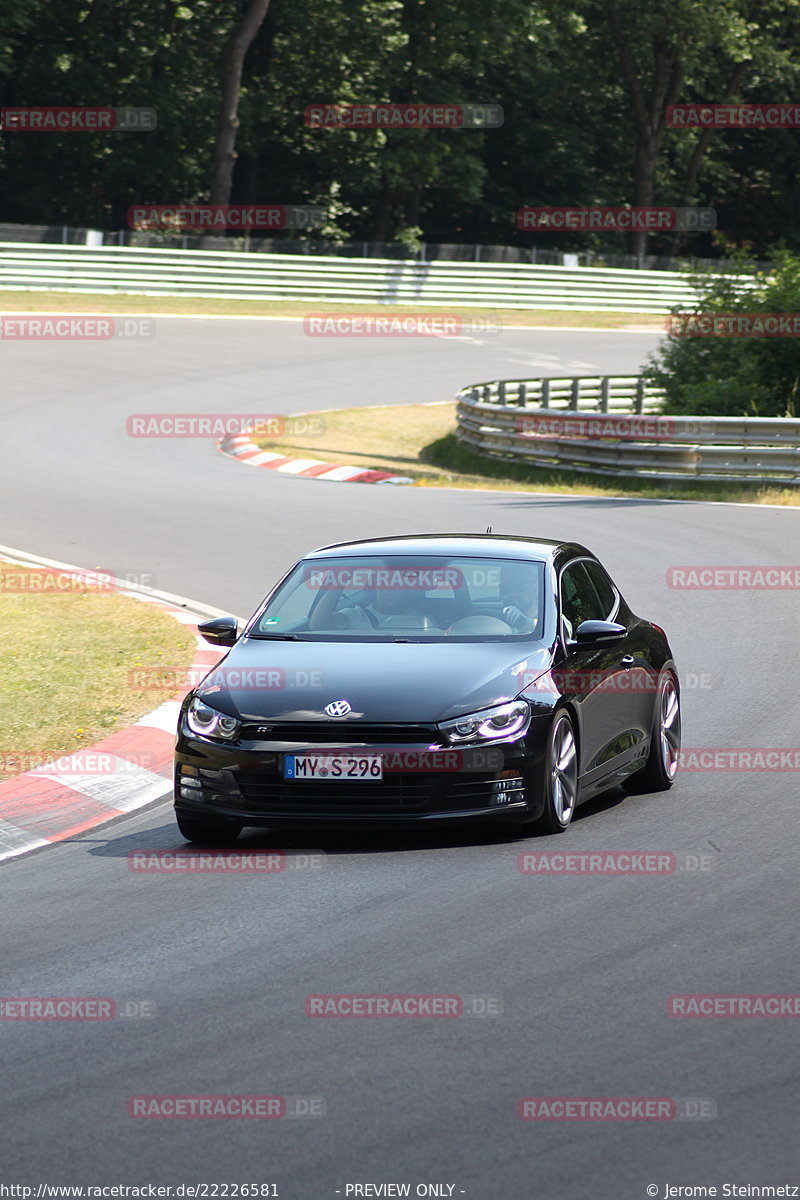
{"x": 334, "y": 768}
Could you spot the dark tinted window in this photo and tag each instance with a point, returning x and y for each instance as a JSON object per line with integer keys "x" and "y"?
{"x": 579, "y": 599}
{"x": 603, "y": 587}
{"x": 429, "y": 597}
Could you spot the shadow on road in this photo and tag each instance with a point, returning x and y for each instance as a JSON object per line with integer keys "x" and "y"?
{"x": 336, "y": 842}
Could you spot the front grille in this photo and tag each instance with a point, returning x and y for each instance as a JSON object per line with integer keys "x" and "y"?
{"x": 266, "y": 794}
{"x": 346, "y": 733}
{"x": 391, "y": 795}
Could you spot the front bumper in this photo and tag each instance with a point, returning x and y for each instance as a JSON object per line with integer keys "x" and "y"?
{"x": 245, "y": 783}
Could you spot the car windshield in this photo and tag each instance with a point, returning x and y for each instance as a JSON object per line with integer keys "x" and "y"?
{"x": 403, "y": 599}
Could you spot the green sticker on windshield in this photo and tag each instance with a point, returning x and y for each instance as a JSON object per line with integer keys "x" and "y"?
{"x": 271, "y": 621}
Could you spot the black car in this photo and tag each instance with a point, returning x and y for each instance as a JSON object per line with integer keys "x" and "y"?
{"x": 428, "y": 678}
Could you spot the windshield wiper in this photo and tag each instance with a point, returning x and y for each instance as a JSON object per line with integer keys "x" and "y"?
{"x": 276, "y": 637}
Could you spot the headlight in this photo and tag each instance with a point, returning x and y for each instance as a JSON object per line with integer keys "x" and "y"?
{"x": 505, "y": 721}
{"x": 207, "y": 722}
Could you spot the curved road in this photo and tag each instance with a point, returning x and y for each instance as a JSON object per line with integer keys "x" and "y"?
{"x": 580, "y": 966}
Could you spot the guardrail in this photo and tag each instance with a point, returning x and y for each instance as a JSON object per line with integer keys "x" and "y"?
{"x": 612, "y": 425}
{"x": 424, "y": 252}
{"x": 240, "y": 275}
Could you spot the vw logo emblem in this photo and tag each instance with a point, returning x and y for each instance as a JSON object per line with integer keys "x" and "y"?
{"x": 337, "y": 708}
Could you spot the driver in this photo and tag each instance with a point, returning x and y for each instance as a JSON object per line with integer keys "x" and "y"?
{"x": 518, "y": 594}
{"x": 389, "y": 602}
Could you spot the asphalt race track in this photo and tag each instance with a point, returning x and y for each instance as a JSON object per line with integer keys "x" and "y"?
{"x": 580, "y": 966}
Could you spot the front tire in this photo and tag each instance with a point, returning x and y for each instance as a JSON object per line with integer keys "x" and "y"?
{"x": 559, "y": 778}
{"x": 658, "y": 773}
{"x": 206, "y": 831}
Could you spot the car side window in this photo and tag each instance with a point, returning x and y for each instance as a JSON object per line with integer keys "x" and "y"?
{"x": 579, "y": 599}
{"x": 604, "y": 588}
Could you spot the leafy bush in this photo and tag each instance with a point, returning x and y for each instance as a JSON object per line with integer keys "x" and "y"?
{"x": 735, "y": 376}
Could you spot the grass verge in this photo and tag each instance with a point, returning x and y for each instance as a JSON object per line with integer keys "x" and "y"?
{"x": 418, "y": 441}
{"x": 74, "y": 302}
{"x": 65, "y": 664}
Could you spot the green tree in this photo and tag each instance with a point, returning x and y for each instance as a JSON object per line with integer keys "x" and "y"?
{"x": 247, "y": 26}
{"x": 735, "y": 375}
{"x": 150, "y": 54}
{"x": 678, "y": 50}
{"x": 584, "y": 87}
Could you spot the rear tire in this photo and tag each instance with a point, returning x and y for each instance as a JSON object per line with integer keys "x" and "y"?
{"x": 207, "y": 831}
{"x": 658, "y": 773}
{"x": 560, "y": 778}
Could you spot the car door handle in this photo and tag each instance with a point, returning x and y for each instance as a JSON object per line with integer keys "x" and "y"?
{"x": 627, "y": 660}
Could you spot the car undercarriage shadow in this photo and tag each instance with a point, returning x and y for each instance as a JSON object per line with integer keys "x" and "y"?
{"x": 336, "y": 841}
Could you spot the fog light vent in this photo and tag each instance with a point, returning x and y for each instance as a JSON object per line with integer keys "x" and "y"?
{"x": 510, "y": 789}
{"x": 190, "y": 786}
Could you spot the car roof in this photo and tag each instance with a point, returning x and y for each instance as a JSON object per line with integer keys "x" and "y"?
{"x": 468, "y": 545}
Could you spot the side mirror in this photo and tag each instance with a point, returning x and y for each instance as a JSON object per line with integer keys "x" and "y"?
{"x": 222, "y": 631}
{"x": 599, "y": 631}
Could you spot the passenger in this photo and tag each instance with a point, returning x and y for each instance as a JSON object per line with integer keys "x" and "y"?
{"x": 519, "y": 588}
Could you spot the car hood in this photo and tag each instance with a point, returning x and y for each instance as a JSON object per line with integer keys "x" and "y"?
{"x": 382, "y": 681}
